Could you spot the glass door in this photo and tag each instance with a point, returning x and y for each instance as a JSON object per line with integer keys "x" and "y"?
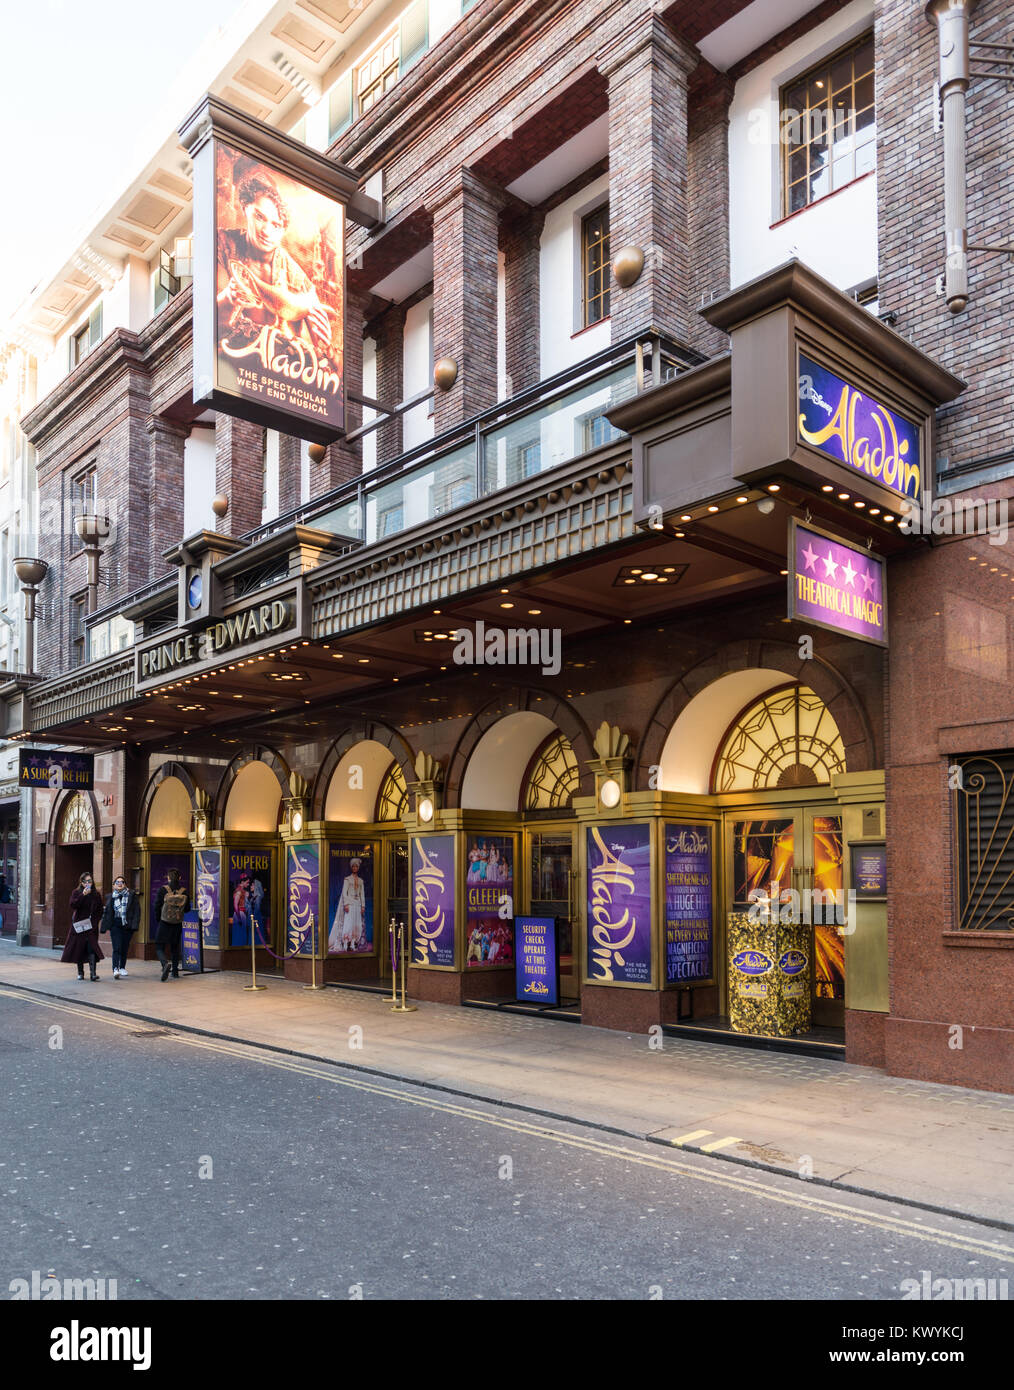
{"x": 551, "y": 856}
{"x": 396, "y": 899}
{"x": 778, "y": 851}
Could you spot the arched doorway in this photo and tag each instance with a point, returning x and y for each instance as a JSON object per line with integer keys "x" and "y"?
{"x": 76, "y": 833}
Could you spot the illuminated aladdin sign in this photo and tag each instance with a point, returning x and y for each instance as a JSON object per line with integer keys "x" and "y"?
{"x": 854, "y": 429}
{"x": 243, "y": 629}
{"x": 433, "y": 900}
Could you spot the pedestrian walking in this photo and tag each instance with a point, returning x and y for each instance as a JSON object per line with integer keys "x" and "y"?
{"x": 83, "y": 938}
{"x": 121, "y": 918}
{"x": 170, "y": 905}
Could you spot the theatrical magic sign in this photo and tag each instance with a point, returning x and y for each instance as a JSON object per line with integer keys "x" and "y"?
{"x": 853, "y": 428}
{"x": 55, "y": 770}
{"x": 836, "y": 585}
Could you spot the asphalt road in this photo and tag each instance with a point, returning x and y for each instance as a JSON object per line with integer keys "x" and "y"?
{"x": 185, "y": 1168}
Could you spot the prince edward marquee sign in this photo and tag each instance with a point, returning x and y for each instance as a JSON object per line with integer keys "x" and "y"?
{"x": 250, "y": 630}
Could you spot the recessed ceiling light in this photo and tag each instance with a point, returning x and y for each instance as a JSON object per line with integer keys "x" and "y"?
{"x": 742, "y": 499}
{"x": 686, "y": 517}
{"x": 844, "y": 496}
{"x": 534, "y": 612}
{"x": 774, "y": 487}
{"x": 712, "y": 508}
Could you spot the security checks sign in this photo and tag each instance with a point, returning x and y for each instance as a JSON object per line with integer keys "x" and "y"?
{"x": 269, "y": 274}
{"x": 836, "y": 585}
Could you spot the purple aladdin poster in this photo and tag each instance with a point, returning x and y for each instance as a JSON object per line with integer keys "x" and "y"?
{"x": 836, "y": 585}
{"x": 302, "y": 894}
{"x": 619, "y": 903}
{"x": 161, "y": 866}
{"x": 688, "y": 882}
{"x": 433, "y": 900}
{"x": 209, "y": 874}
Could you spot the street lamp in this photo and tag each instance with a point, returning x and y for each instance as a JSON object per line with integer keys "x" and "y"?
{"x": 92, "y": 530}
{"x": 30, "y": 573}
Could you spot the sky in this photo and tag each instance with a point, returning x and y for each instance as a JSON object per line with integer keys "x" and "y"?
{"x": 84, "y": 82}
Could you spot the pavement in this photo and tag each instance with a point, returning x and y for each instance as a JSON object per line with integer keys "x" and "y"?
{"x": 943, "y": 1148}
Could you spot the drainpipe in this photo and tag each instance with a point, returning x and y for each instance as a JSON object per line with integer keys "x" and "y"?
{"x": 951, "y": 19}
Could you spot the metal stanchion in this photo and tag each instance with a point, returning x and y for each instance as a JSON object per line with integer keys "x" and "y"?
{"x": 313, "y": 956}
{"x": 392, "y": 945}
{"x": 402, "y": 1008}
{"x": 253, "y": 958}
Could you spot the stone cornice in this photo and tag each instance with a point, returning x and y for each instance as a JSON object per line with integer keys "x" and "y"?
{"x": 119, "y": 352}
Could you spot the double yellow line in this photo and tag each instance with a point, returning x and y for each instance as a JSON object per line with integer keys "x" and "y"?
{"x": 744, "y": 1186}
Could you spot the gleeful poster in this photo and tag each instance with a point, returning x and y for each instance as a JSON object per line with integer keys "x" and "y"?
{"x": 279, "y": 285}
{"x": 489, "y": 892}
{"x": 432, "y": 892}
{"x": 619, "y": 903}
{"x": 160, "y": 867}
{"x": 249, "y": 897}
{"x": 688, "y": 888}
{"x": 302, "y": 895}
{"x": 208, "y": 863}
{"x": 350, "y": 899}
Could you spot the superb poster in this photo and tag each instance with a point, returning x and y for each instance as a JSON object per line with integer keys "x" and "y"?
{"x": 433, "y": 903}
{"x": 619, "y": 903}
{"x": 350, "y": 899}
{"x": 278, "y": 311}
{"x": 489, "y": 889}
{"x": 250, "y": 897}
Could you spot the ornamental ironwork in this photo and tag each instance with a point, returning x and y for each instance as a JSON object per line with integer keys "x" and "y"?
{"x": 554, "y": 777}
{"x": 984, "y": 817}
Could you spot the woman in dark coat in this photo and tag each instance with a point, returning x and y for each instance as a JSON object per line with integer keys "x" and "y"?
{"x": 85, "y": 907}
{"x": 121, "y": 919}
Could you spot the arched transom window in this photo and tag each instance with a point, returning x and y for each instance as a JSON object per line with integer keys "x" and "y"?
{"x": 787, "y": 738}
{"x": 392, "y": 802}
{"x": 78, "y": 824}
{"x": 554, "y": 775}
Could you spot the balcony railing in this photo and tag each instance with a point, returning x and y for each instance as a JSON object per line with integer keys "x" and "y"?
{"x": 537, "y": 430}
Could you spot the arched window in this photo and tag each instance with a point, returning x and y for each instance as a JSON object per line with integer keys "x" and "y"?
{"x": 787, "y": 738}
{"x": 554, "y": 775}
{"x": 392, "y": 801}
{"x": 78, "y": 824}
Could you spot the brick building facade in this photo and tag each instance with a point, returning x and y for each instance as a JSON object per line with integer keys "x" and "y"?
{"x": 494, "y": 149}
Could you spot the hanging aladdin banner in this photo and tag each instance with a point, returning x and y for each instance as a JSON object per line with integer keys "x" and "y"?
{"x": 489, "y": 889}
{"x": 836, "y": 585}
{"x": 269, "y": 274}
{"x": 432, "y": 891}
{"x": 688, "y": 890}
{"x": 250, "y": 897}
{"x": 350, "y": 899}
{"x": 302, "y": 871}
{"x": 208, "y": 865}
{"x": 619, "y": 904}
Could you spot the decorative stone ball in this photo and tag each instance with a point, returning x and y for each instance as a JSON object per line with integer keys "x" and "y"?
{"x": 317, "y": 452}
{"x": 220, "y": 505}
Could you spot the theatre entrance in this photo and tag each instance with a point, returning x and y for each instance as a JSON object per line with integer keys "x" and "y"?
{"x": 795, "y": 855}
{"x": 551, "y": 887}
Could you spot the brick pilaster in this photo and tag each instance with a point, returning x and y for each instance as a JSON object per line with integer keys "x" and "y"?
{"x": 388, "y": 332}
{"x": 708, "y": 192}
{"x": 343, "y": 462}
{"x": 165, "y": 489}
{"x": 519, "y": 241}
{"x": 465, "y": 254}
{"x": 647, "y": 68}
{"x": 239, "y": 472}
{"x": 289, "y": 450}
